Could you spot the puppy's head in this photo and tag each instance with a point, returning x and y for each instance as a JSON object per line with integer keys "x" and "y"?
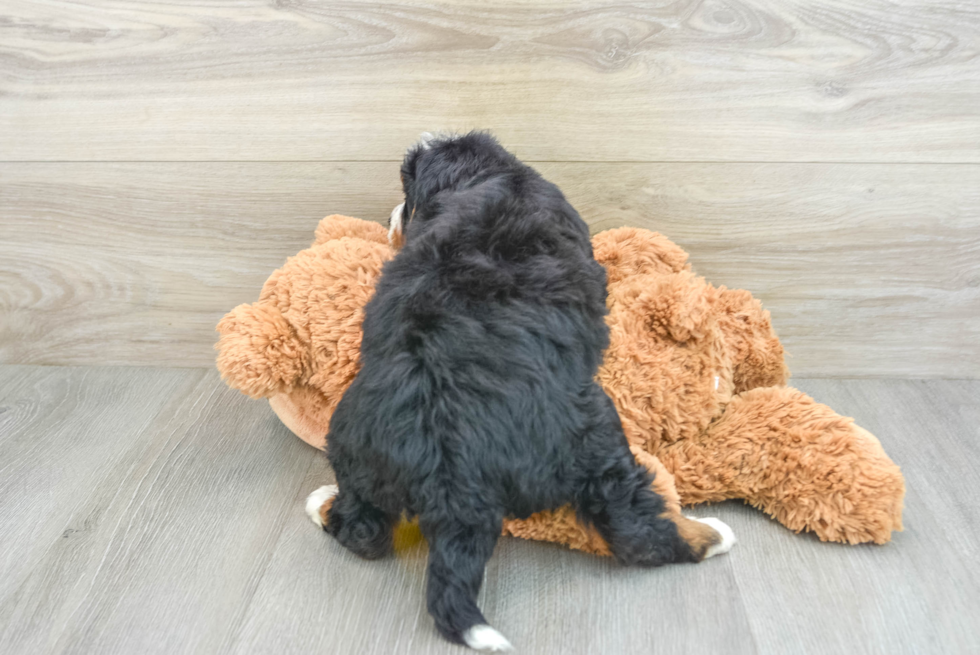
{"x": 437, "y": 165}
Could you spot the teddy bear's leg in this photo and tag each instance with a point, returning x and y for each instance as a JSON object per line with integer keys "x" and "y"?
{"x": 359, "y": 526}
{"x": 797, "y": 460}
{"x": 560, "y": 526}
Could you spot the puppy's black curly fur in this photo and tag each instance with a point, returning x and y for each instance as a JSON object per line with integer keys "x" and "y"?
{"x": 477, "y": 397}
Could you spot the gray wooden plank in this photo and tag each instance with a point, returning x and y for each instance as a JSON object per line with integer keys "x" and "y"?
{"x": 317, "y": 597}
{"x": 918, "y": 594}
{"x": 160, "y": 553}
{"x": 135, "y": 263}
{"x": 67, "y": 436}
{"x": 744, "y": 80}
{"x": 562, "y": 602}
{"x": 152, "y": 510}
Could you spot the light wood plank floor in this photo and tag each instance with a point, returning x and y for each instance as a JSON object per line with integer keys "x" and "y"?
{"x": 156, "y": 511}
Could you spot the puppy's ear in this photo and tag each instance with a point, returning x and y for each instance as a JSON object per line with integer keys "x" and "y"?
{"x": 396, "y": 227}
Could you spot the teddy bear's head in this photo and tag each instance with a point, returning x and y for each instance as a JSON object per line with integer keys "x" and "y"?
{"x": 299, "y": 344}
{"x": 679, "y": 347}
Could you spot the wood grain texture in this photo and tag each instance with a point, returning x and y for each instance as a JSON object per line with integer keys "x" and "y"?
{"x": 139, "y": 508}
{"x": 868, "y": 270}
{"x": 919, "y": 593}
{"x": 682, "y": 80}
{"x": 66, "y": 437}
{"x": 155, "y": 511}
{"x": 128, "y": 264}
{"x": 545, "y": 599}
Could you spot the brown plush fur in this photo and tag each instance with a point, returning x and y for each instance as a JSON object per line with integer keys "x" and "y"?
{"x": 696, "y": 372}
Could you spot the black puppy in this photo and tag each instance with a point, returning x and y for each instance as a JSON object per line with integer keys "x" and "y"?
{"x": 477, "y": 397}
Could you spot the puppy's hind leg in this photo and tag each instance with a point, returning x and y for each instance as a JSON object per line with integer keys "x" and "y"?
{"x": 358, "y": 525}
{"x": 458, "y": 555}
{"x": 639, "y": 525}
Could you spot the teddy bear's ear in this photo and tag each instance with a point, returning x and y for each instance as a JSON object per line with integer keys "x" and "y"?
{"x": 677, "y": 306}
{"x": 258, "y": 351}
{"x": 336, "y": 226}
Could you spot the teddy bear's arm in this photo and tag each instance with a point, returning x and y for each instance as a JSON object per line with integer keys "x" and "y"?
{"x": 757, "y": 357}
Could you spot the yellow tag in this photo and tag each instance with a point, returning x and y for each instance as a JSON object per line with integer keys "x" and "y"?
{"x": 406, "y": 536}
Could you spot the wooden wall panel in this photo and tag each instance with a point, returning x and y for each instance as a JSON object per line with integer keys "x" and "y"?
{"x": 869, "y": 270}
{"x": 682, "y": 80}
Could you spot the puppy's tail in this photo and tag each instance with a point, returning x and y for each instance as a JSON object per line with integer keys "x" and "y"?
{"x": 457, "y": 557}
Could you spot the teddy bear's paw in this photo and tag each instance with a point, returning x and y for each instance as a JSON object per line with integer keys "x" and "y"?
{"x": 483, "y": 637}
{"x": 727, "y": 536}
{"x": 317, "y": 499}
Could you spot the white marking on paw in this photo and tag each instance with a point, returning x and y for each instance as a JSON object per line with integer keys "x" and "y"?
{"x": 483, "y": 637}
{"x": 727, "y": 537}
{"x": 395, "y": 223}
{"x": 316, "y": 499}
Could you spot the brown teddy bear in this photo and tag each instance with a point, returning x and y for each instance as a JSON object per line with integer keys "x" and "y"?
{"x": 696, "y": 372}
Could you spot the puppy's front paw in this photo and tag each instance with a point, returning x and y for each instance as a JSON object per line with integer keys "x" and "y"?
{"x": 316, "y": 500}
